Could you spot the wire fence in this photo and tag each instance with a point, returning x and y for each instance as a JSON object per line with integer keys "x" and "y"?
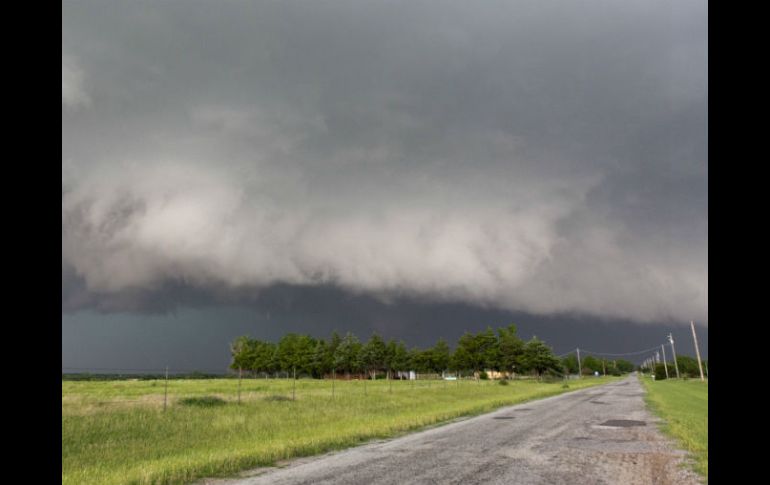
{"x": 173, "y": 386}
{"x": 248, "y": 386}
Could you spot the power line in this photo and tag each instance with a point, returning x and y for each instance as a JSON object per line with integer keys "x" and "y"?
{"x": 625, "y": 353}
{"x": 609, "y": 353}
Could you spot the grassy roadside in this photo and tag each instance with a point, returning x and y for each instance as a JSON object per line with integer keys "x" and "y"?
{"x": 684, "y": 407}
{"x": 116, "y": 432}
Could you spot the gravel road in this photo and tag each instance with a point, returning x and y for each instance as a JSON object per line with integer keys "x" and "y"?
{"x": 558, "y": 440}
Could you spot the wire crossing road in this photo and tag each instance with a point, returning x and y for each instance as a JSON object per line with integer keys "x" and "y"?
{"x": 600, "y": 435}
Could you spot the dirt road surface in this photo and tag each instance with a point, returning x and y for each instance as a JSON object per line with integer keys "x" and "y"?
{"x": 600, "y": 435}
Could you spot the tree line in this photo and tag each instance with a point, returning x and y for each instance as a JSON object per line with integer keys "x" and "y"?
{"x": 688, "y": 368}
{"x": 590, "y": 364}
{"x": 299, "y": 354}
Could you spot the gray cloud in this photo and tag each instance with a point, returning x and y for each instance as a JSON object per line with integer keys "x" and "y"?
{"x": 533, "y": 158}
{"x": 73, "y": 93}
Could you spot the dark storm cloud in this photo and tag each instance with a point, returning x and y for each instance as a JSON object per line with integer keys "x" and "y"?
{"x": 199, "y": 338}
{"x": 526, "y": 156}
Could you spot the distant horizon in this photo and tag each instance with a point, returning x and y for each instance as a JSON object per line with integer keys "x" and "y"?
{"x": 102, "y": 334}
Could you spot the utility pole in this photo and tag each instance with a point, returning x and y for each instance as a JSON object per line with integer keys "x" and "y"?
{"x": 673, "y": 351}
{"x": 580, "y": 368}
{"x": 697, "y": 352}
{"x": 604, "y": 369}
{"x": 664, "y": 359}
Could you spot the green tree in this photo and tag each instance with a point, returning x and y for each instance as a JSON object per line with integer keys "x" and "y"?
{"x": 488, "y": 349}
{"x": 591, "y": 364}
{"x": 570, "y": 363}
{"x": 373, "y": 354}
{"x": 331, "y": 349}
{"x": 624, "y": 366}
{"x": 401, "y": 361}
{"x": 263, "y": 357}
{"x": 465, "y": 355}
{"x": 539, "y": 357}
{"x": 688, "y": 366}
{"x": 322, "y": 359}
{"x": 476, "y": 352}
{"x": 419, "y": 359}
{"x": 390, "y": 356}
{"x": 305, "y": 352}
{"x": 510, "y": 349}
{"x": 286, "y": 352}
{"x": 295, "y": 352}
{"x": 347, "y": 356}
{"x": 439, "y": 356}
{"x": 240, "y": 350}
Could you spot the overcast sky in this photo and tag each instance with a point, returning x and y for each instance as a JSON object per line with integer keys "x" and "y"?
{"x": 544, "y": 161}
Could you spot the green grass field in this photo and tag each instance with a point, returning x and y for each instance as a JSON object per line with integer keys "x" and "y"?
{"x": 116, "y": 432}
{"x": 684, "y": 405}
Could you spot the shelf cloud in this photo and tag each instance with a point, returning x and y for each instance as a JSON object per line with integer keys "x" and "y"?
{"x": 73, "y": 94}
{"x": 528, "y": 158}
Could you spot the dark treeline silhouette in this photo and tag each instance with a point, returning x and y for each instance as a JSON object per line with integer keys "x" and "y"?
{"x": 502, "y": 353}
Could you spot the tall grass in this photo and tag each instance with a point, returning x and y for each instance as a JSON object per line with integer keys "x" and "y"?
{"x": 117, "y": 432}
{"x": 684, "y": 406}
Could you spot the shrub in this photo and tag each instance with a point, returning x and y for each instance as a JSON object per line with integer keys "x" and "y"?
{"x": 277, "y": 397}
{"x": 503, "y": 382}
{"x": 203, "y": 401}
